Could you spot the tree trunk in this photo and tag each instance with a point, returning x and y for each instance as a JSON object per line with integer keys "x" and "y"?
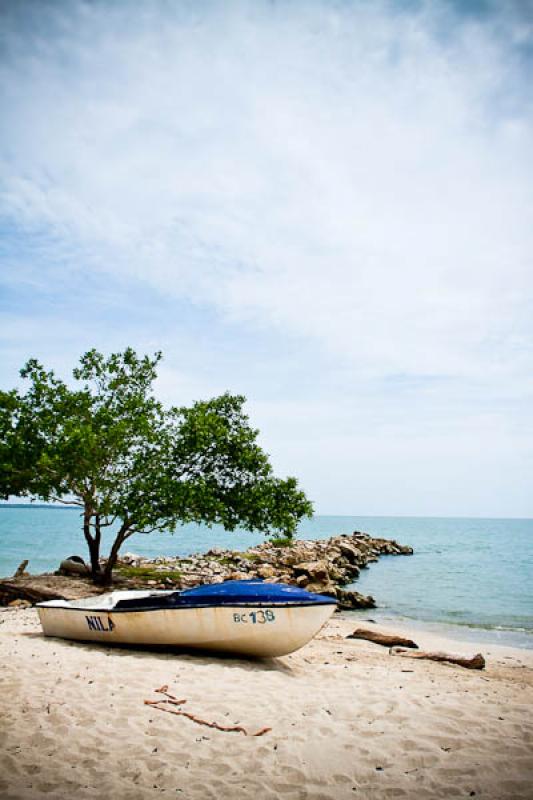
{"x": 93, "y": 543}
{"x": 107, "y": 575}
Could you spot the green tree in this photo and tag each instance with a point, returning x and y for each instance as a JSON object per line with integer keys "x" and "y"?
{"x": 107, "y": 445}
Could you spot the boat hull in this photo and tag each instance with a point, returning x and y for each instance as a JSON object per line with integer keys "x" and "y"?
{"x": 255, "y": 630}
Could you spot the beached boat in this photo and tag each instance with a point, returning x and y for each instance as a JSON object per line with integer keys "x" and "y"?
{"x": 249, "y": 617}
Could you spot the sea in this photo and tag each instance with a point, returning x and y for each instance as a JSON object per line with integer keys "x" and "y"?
{"x": 468, "y": 578}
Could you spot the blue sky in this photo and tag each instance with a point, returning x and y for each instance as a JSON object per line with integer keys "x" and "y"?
{"x": 325, "y": 206}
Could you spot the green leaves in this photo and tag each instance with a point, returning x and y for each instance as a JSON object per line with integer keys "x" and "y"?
{"x": 109, "y": 444}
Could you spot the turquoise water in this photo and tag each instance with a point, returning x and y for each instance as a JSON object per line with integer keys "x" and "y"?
{"x": 468, "y": 573}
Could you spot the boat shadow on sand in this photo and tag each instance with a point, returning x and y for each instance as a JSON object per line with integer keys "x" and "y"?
{"x": 168, "y": 653}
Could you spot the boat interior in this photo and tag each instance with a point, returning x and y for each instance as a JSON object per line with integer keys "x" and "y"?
{"x": 106, "y": 602}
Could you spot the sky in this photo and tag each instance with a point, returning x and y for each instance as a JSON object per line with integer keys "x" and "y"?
{"x": 325, "y": 206}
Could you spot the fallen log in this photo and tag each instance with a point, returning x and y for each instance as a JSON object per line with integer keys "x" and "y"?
{"x": 476, "y": 662}
{"x": 19, "y": 591}
{"x": 386, "y": 639}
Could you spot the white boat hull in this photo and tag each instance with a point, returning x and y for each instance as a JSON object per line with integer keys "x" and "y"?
{"x": 245, "y": 629}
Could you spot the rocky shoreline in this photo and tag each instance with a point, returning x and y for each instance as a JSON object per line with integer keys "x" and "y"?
{"x": 325, "y": 566}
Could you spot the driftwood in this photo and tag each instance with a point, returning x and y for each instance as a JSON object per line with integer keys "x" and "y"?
{"x": 171, "y": 700}
{"x": 386, "y": 639}
{"x": 21, "y": 569}
{"x": 18, "y": 591}
{"x": 476, "y": 662}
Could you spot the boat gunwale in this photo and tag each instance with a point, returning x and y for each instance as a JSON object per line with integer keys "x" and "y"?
{"x": 112, "y": 610}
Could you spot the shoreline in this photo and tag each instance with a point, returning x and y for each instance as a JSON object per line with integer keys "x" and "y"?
{"x": 520, "y": 639}
{"x": 347, "y": 719}
{"x": 436, "y": 635}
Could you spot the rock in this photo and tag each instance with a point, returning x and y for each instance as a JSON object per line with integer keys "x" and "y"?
{"x": 403, "y": 549}
{"x": 317, "y": 570}
{"x": 302, "y": 581}
{"x": 130, "y": 558}
{"x": 349, "y": 600}
{"x": 342, "y": 572}
{"x": 73, "y": 565}
{"x": 350, "y": 552}
{"x": 320, "y": 588}
{"x": 266, "y": 571}
{"x": 287, "y": 561}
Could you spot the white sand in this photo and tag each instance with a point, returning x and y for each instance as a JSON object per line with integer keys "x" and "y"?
{"x": 348, "y": 720}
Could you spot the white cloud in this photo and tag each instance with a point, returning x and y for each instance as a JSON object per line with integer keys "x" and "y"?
{"x": 348, "y": 175}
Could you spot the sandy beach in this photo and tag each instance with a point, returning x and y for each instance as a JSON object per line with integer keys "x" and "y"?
{"x": 347, "y": 720}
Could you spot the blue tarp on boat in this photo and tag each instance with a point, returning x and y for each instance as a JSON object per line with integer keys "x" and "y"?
{"x": 253, "y": 591}
{"x": 230, "y": 593}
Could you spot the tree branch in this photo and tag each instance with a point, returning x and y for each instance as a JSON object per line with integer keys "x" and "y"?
{"x": 107, "y": 524}
{"x": 136, "y": 530}
{"x": 66, "y": 502}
